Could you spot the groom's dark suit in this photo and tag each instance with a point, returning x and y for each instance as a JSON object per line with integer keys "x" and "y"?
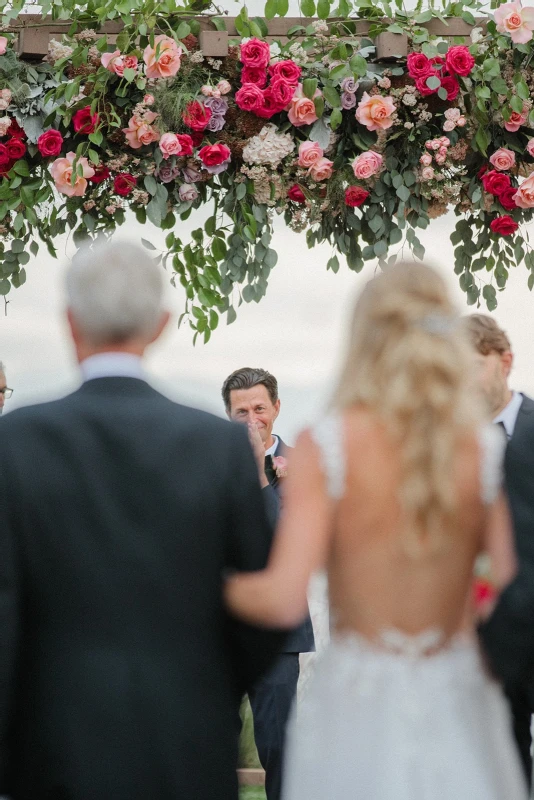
{"x": 508, "y": 636}
{"x": 120, "y": 672}
{"x": 272, "y": 697}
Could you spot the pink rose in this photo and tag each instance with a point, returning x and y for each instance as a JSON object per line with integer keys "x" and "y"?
{"x": 3, "y": 45}
{"x": 169, "y": 144}
{"x": 140, "y": 131}
{"x": 426, "y": 159}
{"x": 461, "y": 121}
{"x": 224, "y": 87}
{"x": 148, "y": 99}
{"x": 459, "y": 60}
{"x": 302, "y": 109}
{"x": 419, "y": 66}
{"x": 524, "y": 197}
{"x": 517, "y": 120}
{"x": 282, "y": 92}
{"x": 375, "y": 112}
{"x": 530, "y": 147}
{"x": 502, "y": 159}
{"x": 440, "y": 158}
{"x": 321, "y": 169}
{"x": 62, "y": 170}
{"x": 255, "y": 53}
{"x": 427, "y": 173}
{"x": 367, "y": 164}
{"x": 280, "y": 466}
{"x": 287, "y": 70}
{"x": 257, "y": 75}
{"x": 449, "y": 125}
{"x": 162, "y": 60}
{"x": 309, "y": 154}
{"x": 517, "y": 21}
{"x": 113, "y": 62}
{"x": 206, "y": 90}
{"x": 249, "y": 97}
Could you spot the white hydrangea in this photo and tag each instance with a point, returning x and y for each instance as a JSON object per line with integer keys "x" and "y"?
{"x": 197, "y": 57}
{"x": 268, "y": 147}
{"x": 57, "y": 50}
{"x": 409, "y": 100}
{"x": 476, "y": 35}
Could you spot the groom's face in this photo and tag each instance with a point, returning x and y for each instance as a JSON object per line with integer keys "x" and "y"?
{"x": 493, "y": 372}
{"x": 254, "y": 406}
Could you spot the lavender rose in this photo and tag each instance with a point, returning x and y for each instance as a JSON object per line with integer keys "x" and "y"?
{"x": 188, "y": 192}
{"x": 218, "y": 105}
{"x": 216, "y": 123}
{"x": 165, "y": 173}
{"x": 190, "y": 174}
{"x": 216, "y": 169}
{"x": 348, "y": 100}
{"x": 349, "y": 85}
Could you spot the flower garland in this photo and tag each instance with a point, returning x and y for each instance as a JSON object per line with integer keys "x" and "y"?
{"x": 353, "y": 154}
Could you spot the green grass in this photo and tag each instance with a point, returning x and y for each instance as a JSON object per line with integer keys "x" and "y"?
{"x": 252, "y": 793}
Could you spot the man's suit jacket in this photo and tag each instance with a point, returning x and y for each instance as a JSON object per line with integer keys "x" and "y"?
{"x": 120, "y": 671}
{"x": 301, "y": 639}
{"x": 508, "y": 636}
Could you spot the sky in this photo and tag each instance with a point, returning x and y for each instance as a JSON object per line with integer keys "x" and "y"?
{"x": 296, "y": 332}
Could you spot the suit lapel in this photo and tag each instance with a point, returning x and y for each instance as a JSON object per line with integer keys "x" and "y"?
{"x": 281, "y": 449}
{"x": 525, "y": 411}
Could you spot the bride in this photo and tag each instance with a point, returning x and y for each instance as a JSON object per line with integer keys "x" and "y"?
{"x": 395, "y": 492}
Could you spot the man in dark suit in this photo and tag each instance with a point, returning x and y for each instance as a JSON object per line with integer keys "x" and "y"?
{"x": 251, "y": 397}
{"x": 514, "y": 413}
{"x": 120, "y": 672}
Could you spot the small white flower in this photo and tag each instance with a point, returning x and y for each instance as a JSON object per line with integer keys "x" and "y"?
{"x": 476, "y": 35}
{"x": 268, "y": 147}
{"x": 409, "y": 100}
{"x": 275, "y": 50}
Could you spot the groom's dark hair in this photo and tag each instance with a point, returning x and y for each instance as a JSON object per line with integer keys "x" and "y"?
{"x": 247, "y": 378}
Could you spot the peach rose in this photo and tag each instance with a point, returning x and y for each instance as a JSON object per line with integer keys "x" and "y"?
{"x": 517, "y": 120}
{"x": 503, "y": 159}
{"x": 140, "y": 130}
{"x": 162, "y": 60}
{"x": 169, "y": 144}
{"x": 375, "y": 112}
{"x": 427, "y": 173}
{"x": 61, "y": 170}
{"x": 524, "y": 197}
{"x": 321, "y": 170}
{"x": 224, "y": 87}
{"x": 301, "y": 109}
{"x": 113, "y": 62}
{"x": 309, "y": 154}
{"x": 3, "y": 45}
{"x": 367, "y": 164}
{"x": 517, "y": 21}
{"x": 148, "y": 99}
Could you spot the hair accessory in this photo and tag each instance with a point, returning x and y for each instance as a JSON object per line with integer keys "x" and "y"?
{"x": 437, "y": 324}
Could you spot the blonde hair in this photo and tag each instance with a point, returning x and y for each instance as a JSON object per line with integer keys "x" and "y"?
{"x": 485, "y": 334}
{"x": 409, "y": 361}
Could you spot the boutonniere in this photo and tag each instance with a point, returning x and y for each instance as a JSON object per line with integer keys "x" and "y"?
{"x": 280, "y": 466}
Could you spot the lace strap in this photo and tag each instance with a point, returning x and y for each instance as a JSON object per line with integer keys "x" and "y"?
{"x": 328, "y": 436}
{"x": 492, "y": 444}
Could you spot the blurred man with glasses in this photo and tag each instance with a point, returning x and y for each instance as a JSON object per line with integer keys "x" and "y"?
{"x": 5, "y": 393}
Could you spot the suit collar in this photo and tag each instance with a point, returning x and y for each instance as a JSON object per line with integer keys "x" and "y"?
{"x": 115, "y": 385}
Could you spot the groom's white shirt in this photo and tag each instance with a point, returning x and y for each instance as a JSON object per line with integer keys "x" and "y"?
{"x": 508, "y": 415}
{"x": 112, "y": 365}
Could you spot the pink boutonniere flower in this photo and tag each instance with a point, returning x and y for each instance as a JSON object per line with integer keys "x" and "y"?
{"x": 280, "y": 466}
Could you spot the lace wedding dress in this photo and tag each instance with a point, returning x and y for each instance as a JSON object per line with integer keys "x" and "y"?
{"x": 401, "y": 717}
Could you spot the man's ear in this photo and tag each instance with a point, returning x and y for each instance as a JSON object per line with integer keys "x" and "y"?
{"x": 507, "y": 361}
{"x": 277, "y": 408}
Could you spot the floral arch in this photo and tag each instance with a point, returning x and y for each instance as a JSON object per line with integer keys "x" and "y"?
{"x": 359, "y": 129}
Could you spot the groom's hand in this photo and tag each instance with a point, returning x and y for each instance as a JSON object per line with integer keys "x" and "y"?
{"x": 259, "y": 452}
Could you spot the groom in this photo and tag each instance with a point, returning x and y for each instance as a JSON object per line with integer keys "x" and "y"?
{"x": 251, "y": 398}
{"x": 120, "y": 511}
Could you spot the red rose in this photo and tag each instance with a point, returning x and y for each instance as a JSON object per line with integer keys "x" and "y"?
{"x": 186, "y": 143}
{"x": 419, "y": 66}
{"x": 16, "y": 148}
{"x": 296, "y": 194}
{"x": 482, "y": 171}
{"x": 257, "y": 75}
{"x": 459, "y": 60}
{"x": 505, "y": 225}
{"x": 16, "y": 131}
{"x": 214, "y": 154}
{"x": 102, "y": 173}
{"x": 85, "y": 122}
{"x": 451, "y": 86}
{"x": 249, "y": 97}
{"x": 255, "y": 53}
{"x": 422, "y": 88}
{"x": 197, "y": 137}
{"x": 355, "y": 196}
{"x": 196, "y": 116}
{"x": 506, "y": 198}
{"x": 282, "y": 92}
{"x": 4, "y": 156}
{"x": 124, "y": 183}
{"x": 269, "y": 107}
{"x": 483, "y": 591}
{"x": 6, "y": 168}
{"x": 287, "y": 70}
{"x": 50, "y": 143}
{"x": 495, "y": 182}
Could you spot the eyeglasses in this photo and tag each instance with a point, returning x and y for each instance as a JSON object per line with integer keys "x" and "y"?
{"x": 6, "y": 392}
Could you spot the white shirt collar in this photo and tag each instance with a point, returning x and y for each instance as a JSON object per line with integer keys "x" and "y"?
{"x": 508, "y": 415}
{"x": 112, "y": 365}
{"x": 272, "y": 450}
